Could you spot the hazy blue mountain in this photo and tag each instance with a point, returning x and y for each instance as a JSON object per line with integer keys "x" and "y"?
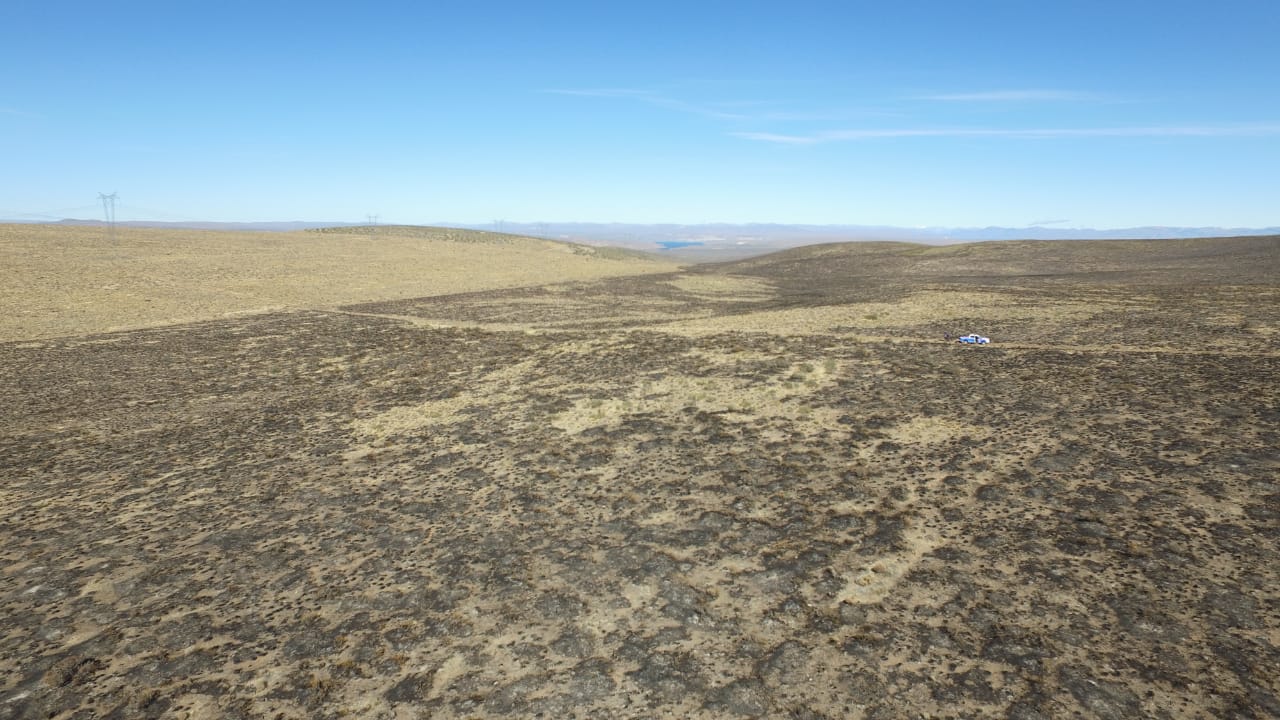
{"x": 277, "y": 226}
{"x": 726, "y": 241}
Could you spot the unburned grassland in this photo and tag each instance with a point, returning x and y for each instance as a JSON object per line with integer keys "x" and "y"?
{"x": 66, "y": 280}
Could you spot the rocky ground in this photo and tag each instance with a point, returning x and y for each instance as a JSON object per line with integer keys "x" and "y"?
{"x": 752, "y": 490}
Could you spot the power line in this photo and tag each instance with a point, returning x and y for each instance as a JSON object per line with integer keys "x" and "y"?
{"x": 54, "y": 214}
{"x": 139, "y": 213}
{"x": 109, "y": 209}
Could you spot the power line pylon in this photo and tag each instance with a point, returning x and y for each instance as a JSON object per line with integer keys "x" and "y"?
{"x": 109, "y": 210}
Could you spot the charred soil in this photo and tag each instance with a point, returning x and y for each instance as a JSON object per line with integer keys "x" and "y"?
{"x": 747, "y": 490}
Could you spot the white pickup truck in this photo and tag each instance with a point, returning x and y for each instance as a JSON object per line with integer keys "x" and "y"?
{"x": 973, "y": 339}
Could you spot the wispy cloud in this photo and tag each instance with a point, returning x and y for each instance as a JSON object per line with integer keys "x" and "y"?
{"x": 737, "y": 111}
{"x": 654, "y": 99}
{"x": 780, "y": 138}
{"x": 600, "y": 92}
{"x": 1013, "y": 96}
{"x": 1255, "y": 130}
{"x": 17, "y": 113}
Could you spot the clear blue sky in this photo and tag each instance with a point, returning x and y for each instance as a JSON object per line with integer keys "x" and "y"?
{"x": 917, "y": 113}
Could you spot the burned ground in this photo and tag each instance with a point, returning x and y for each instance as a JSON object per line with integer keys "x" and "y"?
{"x": 725, "y": 492}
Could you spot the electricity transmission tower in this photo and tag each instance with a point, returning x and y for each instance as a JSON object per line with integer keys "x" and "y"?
{"x": 109, "y": 210}
{"x": 373, "y": 224}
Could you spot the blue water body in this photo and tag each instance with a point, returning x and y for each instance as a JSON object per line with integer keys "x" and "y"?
{"x": 673, "y": 244}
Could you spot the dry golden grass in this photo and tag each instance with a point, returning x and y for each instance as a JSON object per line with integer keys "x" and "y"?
{"x": 724, "y": 287}
{"x": 783, "y": 396}
{"x": 919, "y": 307}
{"x": 64, "y": 280}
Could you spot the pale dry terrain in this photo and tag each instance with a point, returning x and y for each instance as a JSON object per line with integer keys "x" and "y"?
{"x": 770, "y": 488}
{"x": 58, "y": 280}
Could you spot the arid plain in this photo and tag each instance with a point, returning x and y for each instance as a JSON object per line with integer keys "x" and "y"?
{"x": 419, "y": 473}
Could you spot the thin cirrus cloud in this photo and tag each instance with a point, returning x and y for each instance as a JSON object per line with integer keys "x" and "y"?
{"x": 1030, "y": 133}
{"x": 1013, "y": 96}
{"x": 655, "y": 99}
{"x": 17, "y": 113}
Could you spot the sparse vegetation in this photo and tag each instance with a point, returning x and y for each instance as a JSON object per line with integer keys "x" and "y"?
{"x": 634, "y": 497}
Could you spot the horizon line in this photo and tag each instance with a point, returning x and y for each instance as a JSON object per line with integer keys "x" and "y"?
{"x": 1039, "y": 225}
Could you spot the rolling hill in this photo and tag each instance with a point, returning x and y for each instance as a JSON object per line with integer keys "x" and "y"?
{"x": 769, "y": 488}
{"x": 63, "y": 280}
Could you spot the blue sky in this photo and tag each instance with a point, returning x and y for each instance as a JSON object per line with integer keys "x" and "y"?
{"x": 913, "y": 113}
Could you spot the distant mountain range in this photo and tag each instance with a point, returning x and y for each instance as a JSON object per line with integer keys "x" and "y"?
{"x": 725, "y": 240}
{"x": 710, "y": 233}
{"x": 286, "y": 226}
{"x": 722, "y": 241}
